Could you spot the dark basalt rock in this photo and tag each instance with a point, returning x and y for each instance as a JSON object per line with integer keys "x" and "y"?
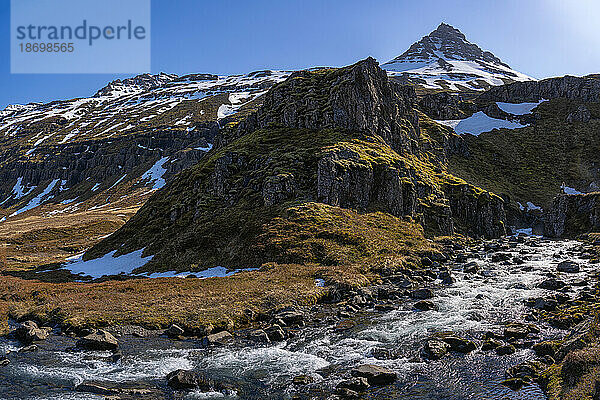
{"x": 505, "y": 350}
{"x": 358, "y": 384}
{"x": 29, "y": 332}
{"x": 572, "y": 215}
{"x": 434, "y": 349}
{"x": 568, "y": 266}
{"x": 358, "y": 98}
{"x": 217, "y": 339}
{"x": 421, "y": 294}
{"x": 586, "y": 89}
{"x": 374, "y": 374}
{"x": 188, "y": 380}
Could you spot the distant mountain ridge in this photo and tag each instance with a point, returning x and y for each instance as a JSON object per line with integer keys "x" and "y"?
{"x": 445, "y": 59}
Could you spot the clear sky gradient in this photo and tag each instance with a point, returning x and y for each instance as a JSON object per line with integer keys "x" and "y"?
{"x": 541, "y": 38}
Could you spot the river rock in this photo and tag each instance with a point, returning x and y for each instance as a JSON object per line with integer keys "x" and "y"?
{"x": 490, "y": 344}
{"x": 456, "y": 343}
{"x": 552, "y": 284}
{"x": 217, "y": 339}
{"x": 421, "y": 294}
{"x": 303, "y": 380}
{"x": 505, "y": 349}
{"x": 498, "y": 257}
{"x": 513, "y": 383}
{"x": 175, "y": 331}
{"x": 446, "y": 277}
{"x": 29, "y": 332}
{"x": 374, "y": 374}
{"x": 4, "y": 361}
{"x": 570, "y": 267}
{"x": 546, "y": 348}
{"x": 276, "y": 333}
{"x": 259, "y": 335}
{"x": 357, "y": 384}
{"x": 424, "y": 305}
{"x": 95, "y": 388}
{"x": 187, "y": 380}
{"x": 28, "y": 349}
{"x": 518, "y": 330}
{"x": 545, "y": 304}
{"x": 434, "y": 349}
{"x": 471, "y": 268}
{"x": 290, "y": 317}
{"x": 344, "y": 325}
{"x": 101, "y": 340}
{"x": 346, "y": 393}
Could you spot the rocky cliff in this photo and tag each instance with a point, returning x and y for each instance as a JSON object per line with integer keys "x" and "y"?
{"x": 585, "y": 89}
{"x": 347, "y": 137}
{"x": 359, "y": 99}
{"x": 573, "y": 215}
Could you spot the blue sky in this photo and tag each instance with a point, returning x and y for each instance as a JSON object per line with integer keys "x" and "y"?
{"x": 541, "y": 38}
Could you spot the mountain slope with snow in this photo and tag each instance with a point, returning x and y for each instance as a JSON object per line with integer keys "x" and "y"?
{"x": 446, "y": 60}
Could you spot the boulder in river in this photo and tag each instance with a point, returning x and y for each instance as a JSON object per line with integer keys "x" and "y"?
{"x": 421, "y": 294}
{"x": 455, "y": 342}
{"x": 259, "y": 335}
{"x": 505, "y": 350}
{"x": 552, "y": 284}
{"x": 4, "y": 361}
{"x": 275, "y": 333}
{"x": 435, "y": 349}
{"x": 490, "y": 344}
{"x": 374, "y": 374}
{"x": 303, "y": 380}
{"x": 519, "y": 330}
{"x": 546, "y": 348}
{"x": 29, "y": 349}
{"x": 29, "y": 332}
{"x": 175, "y": 331}
{"x": 356, "y": 384}
{"x": 187, "y": 380}
{"x": 217, "y": 339}
{"x": 424, "y": 305}
{"x": 471, "y": 268}
{"x": 568, "y": 266}
{"x": 101, "y": 340}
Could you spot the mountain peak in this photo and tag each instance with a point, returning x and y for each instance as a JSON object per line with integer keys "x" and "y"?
{"x": 446, "y": 54}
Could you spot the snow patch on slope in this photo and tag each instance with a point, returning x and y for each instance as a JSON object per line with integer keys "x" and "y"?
{"x": 37, "y": 200}
{"x": 518, "y": 108}
{"x": 479, "y": 123}
{"x": 155, "y": 174}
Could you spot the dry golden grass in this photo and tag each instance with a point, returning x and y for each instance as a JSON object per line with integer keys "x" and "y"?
{"x": 158, "y": 302}
{"x": 51, "y": 233}
{"x": 340, "y": 246}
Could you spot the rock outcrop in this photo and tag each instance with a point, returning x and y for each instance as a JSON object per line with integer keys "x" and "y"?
{"x": 585, "y": 89}
{"x": 358, "y": 98}
{"x": 444, "y": 105}
{"x": 572, "y": 215}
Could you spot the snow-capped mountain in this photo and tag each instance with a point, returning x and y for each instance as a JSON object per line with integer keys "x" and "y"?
{"x": 445, "y": 59}
{"x": 127, "y": 138}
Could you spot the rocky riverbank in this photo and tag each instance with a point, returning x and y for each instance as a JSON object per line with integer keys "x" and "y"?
{"x": 504, "y": 305}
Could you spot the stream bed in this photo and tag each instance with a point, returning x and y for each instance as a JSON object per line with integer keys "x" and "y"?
{"x": 474, "y": 304}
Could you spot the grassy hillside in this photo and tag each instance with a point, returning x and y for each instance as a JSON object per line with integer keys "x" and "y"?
{"x": 531, "y": 163}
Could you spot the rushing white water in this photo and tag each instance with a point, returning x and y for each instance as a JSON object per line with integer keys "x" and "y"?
{"x": 474, "y": 304}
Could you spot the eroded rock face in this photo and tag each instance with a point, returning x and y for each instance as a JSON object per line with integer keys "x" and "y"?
{"x": 358, "y": 98}
{"x": 572, "y": 215}
{"x": 444, "y": 105}
{"x": 479, "y": 213}
{"x": 582, "y": 114}
{"x": 576, "y": 88}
